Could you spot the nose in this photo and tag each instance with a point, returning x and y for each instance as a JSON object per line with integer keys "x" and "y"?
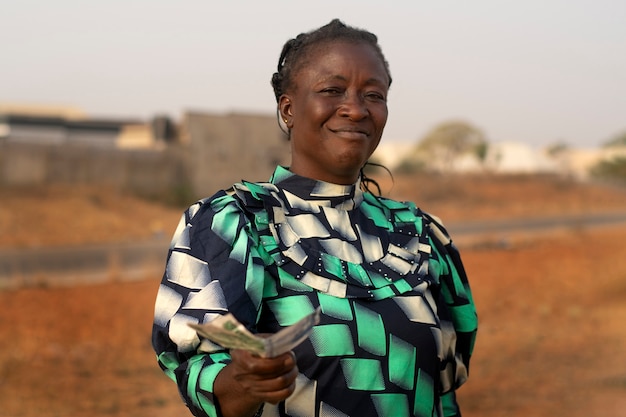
{"x": 353, "y": 107}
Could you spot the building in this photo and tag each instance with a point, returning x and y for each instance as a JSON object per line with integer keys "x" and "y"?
{"x": 518, "y": 158}
{"x": 227, "y": 148}
{"x": 202, "y": 153}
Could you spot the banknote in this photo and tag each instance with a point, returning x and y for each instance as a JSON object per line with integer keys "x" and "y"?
{"x": 229, "y": 333}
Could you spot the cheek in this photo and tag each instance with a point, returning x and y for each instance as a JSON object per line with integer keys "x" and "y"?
{"x": 320, "y": 112}
{"x": 381, "y": 117}
{"x": 373, "y": 147}
{"x": 308, "y": 119}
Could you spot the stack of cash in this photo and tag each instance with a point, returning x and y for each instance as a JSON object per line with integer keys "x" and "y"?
{"x": 227, "y": 332}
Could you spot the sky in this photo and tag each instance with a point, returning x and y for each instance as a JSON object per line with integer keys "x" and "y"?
{"x": 540, "y": 72}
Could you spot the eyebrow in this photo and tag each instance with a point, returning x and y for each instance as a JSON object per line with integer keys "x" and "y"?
{"x": 369, "y": 81}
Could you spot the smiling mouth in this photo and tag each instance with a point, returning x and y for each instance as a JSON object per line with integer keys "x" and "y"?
{"x": 351, "y": 133}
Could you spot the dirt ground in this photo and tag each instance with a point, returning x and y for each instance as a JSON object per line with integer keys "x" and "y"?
{"x": 552, "y": 305}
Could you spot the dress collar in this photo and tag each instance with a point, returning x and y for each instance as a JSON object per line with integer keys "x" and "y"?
{"x": 318, "y": 192}
{"x": 336, "y": 238}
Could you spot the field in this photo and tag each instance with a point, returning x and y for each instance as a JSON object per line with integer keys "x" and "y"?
{"x": 552, "y": 304}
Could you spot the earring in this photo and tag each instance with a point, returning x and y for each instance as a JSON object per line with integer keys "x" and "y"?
{"x": 285, "y": 120}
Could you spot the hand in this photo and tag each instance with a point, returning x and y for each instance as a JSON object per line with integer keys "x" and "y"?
{"x": 267, "y": 379}
{"x": 249, "y": 380}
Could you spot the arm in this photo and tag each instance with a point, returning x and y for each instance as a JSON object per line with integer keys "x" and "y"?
{"x": 459, "y": 322}
{"x": 213, "y": 267}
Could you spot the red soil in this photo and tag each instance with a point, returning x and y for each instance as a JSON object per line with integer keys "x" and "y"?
{"x": 552, "y": 306}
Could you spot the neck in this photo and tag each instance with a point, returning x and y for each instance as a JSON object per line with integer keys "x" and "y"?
{"x": 340, "y": 178}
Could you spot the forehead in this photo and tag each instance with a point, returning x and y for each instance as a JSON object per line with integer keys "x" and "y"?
{"x": 328, "y": 45}
{"x": 334, "y": 55}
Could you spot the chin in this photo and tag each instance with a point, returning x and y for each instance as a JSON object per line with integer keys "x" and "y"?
{"x": 352, "y": 168}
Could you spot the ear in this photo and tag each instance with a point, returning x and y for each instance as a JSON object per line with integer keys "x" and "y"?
{"x": 285, "y": 107}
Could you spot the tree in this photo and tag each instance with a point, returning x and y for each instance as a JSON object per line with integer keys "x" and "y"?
{"x": 617, "y": 140}
{"x": 557, "y": 149}
{"x": 446, "y": 142}
{"x": 611, "y": 170}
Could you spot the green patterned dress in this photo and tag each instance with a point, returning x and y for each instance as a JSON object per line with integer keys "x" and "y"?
{"x": 397, "y": 324}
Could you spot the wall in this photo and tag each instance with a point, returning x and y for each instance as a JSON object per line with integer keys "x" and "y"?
{"x": 146, "y": 172}
{"x": 211, "y": 152}
{"x": 228, "y": 148}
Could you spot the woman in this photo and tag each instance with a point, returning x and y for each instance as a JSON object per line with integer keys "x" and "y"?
{"x": 397, "y": 320}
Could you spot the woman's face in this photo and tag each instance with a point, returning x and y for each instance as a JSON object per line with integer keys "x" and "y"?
{"x": 336, "y": 111}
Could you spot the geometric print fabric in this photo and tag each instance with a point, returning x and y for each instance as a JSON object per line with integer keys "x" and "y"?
{"x": 368, "y": 263}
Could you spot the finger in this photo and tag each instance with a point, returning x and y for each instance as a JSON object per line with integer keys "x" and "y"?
{"x": 276, "y": 389}
{"x": 262, "y": 384}
{"x": 263, "y": 367}
{"x": 279, "y": 382}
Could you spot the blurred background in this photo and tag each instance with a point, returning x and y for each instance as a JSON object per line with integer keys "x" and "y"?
{"x": 508, "y": 121}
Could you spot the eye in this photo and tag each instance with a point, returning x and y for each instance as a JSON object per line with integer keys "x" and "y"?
{"x": 332, "y": 90}
{"x": 375, "y": 96}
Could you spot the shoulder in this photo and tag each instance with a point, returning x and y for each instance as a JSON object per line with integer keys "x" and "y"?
{"x": 226, "y": 212}
{"x": 409, "y": 211}
{"x": 208, "y": 216}
{"x": 437, "y": 228}
{"x": 208, "y": 207}
{"x": 402, "y": 211}
{"x": 240, "y": 198}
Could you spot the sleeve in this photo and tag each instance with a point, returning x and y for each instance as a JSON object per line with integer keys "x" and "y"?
{"x": 457, "y": 314}
{"x": 213, "y": 267}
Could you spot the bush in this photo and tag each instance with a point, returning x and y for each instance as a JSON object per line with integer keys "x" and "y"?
{"x": 613, "y": 169}
{"x": 411, "y": 166}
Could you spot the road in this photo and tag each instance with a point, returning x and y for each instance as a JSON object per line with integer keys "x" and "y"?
{"x": 539, "y": 224}
{"x": 69, "y": 265}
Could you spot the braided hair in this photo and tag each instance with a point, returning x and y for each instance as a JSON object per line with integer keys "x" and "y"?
{"x": 295, "y": 51}
{"x": 294, "y": 56}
